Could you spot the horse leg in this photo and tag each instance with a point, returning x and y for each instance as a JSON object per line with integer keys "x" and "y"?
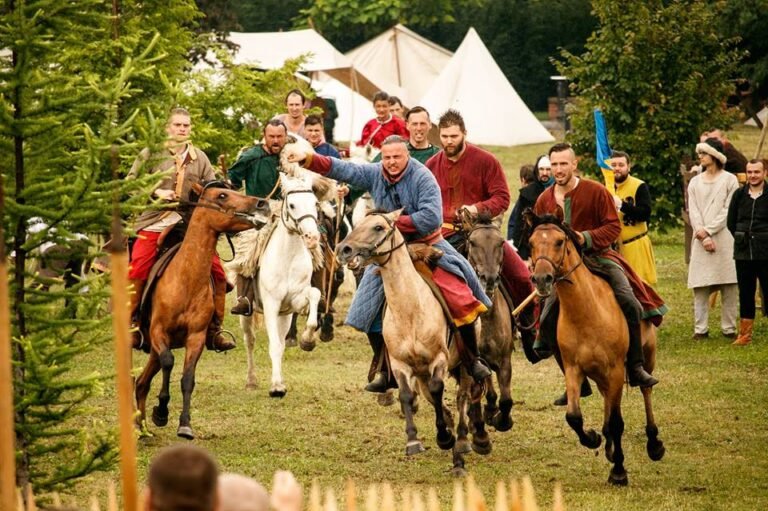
{"x": 247, "y": 326}
{"x": 403, "y": 376}
{"x": 481, "y": 442}
{"x": 491, "y": 408}
{"x": 445, "y": 438}
{"x": 160, "y": 412}
{"x": 503, "y": 421}
{"x": 312, "y": 297}
{"x": 613, "y": 429}
{"x": 573, "y": 378}
{"x": 195, "y": 345}
{"x": 277, "y": 327}
{"x": 654, "y": 446}
{"x": 292, "y": 335}
{"x": 143, "y": 383}
{"x": 462, "y": 430}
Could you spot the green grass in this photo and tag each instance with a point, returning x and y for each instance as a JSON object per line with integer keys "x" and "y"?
{"x": 711, "y": 407}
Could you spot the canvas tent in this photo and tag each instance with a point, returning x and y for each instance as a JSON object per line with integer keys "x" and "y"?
{"x": 762, "y": 115}
{"x": 404, "y": 63}
{"x": 354, "y": 110}
{"x": 473, "y": 84}
{"x": 270, "y": 50}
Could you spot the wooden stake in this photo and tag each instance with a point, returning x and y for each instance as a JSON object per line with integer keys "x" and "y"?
{"x": 351, "y": 495}
{"x": 458, "y": 496}
{"x": 314, "y": 497}
{"x": 7, "y": 414}
{"x": 514, "y": 496}
{"x": 501, "y": 503}
{"x": 418, "y": 502}
{"x": 387, "y": 498}
{"x": 111, "y": 497}
{"x": 525, "y": 303}
{"x": 529, "y": 496}
{"x": 95, "y": 503}
{"x": 31, "y": 506}
{"x": 558, "y": 504}
{"x": 433, "y": 503}
{"x": 372, "y": 498}
{"x": 330, "y": 501}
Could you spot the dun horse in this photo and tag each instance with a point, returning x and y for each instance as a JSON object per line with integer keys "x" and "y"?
{"x": 182, "y": 302}
{"x": 484, "y": 250}
{"x": 592, "y": 337}
{"x": 415, "y": 332}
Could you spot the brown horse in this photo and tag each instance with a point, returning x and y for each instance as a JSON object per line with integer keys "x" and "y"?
{"x": 484, "y": 249}
{"x": 415, "y": 332}
{"x": 182, "y": 302}
{"x": 592, "y": 337}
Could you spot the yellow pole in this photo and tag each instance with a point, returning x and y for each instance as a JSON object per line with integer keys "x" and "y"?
{"x": 7, "y": 444}
{"x": 121, "y": 325}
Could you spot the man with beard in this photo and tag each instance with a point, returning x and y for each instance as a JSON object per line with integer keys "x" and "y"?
{"x": 472, "y": 179}
{"x": 633, "y": 202}
{"x": 590, "y": 211}
{"x": 258, "y": 168}
{"x": 401, "y": 182}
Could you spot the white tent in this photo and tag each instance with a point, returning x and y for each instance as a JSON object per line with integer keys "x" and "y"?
{"x": 473, "y": 84}
{"x": 270, "y": 50}
{"x": 354, "y": 110}
{"x": 404, "y": 63}
{"x": 762, "y": 115}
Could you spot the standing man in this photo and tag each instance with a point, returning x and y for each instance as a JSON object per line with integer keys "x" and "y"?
{"x": 530, "y": 189}
{"x": 294, "y": 119}
{"x": 383, "y": 125}
{"x": 471, "y": 178}
{"x": 313, "y": 128}
{"x": 633, "y": 202}
{"x": 418, "y": 123}
{"x": 184, "y": 165}
{"x": 590, "y": 210}
{"x": 258, "y": 168}
{"x": 736, "y": 162}
{"x": 401, "y": 182}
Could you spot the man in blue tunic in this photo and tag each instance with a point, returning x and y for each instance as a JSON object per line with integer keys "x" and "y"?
{"x": 399, "y": 181}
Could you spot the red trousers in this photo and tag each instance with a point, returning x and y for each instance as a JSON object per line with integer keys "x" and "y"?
{"x": 462, "y": 304}
{"x": 144, "y": 255}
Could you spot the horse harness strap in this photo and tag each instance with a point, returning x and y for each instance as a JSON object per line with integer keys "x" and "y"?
{"x": 296, "y": 221}
{"x": 425, "y": 273}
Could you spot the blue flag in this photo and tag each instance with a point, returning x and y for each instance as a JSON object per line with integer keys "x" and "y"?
{"x": 603, "y": 150}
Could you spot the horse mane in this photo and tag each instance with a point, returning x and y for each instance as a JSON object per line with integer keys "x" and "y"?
{"x": 484, "y": 218}
{"x": 552, "y": 220}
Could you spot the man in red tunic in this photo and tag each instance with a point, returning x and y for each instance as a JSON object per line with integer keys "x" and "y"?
{"x": 383, "y": 125}
{"x": 589, "y": 209}
{"x": 471, "y": 178}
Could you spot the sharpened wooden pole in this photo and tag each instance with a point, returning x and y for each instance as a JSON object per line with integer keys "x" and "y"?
{"x": 121, "y": 325}
{"x": 525, "y": 303}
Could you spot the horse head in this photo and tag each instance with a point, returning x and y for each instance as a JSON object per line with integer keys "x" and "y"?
{"x": 299, "y": 210}
{"x": 485, "y": 250}
{"x": 554, "y": 245}
{"x": 227, "y": 210}
{"x": 372, "y": 241}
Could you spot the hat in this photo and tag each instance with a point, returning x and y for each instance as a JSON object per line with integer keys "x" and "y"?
{"x": 712, "y": 147}
{"x": 543, "y": 162}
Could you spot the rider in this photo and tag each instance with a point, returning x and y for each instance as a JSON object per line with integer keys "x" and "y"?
{"x": 472, "y": 179}
{"x": 259, "y": 168}
{"x": 400, "y": 181}
{"x": 184, "y": 165}
{"x": 589, "y": 209}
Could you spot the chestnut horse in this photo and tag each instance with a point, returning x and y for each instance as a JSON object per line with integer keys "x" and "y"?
{"x": 182, "y": 300}
{"x": 484, "y": 249}
{"x": 415, "y": 332}
{"x": 592, "y": 337}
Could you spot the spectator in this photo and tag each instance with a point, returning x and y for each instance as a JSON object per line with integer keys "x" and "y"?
{"x": 294, "y": 119}
{"x": 182, "y": 478}
{"x": 286, "y": 492}
{"x": 396, "y": 107}
{"x": 383, "y": 125}
{"x": 748, "y": 223}
{"x": 736, "y": 162}
{"x": 712, "y": 267}
{"x": 241, "y": 493}
{"x": 313, "y": 127}
{"x": 531, "y": 188}
{"x": 633, "y": 202}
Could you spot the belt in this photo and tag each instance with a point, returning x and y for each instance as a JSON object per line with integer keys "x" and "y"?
{"x": 634, "y": 238}
{"x": 452, "y": 227}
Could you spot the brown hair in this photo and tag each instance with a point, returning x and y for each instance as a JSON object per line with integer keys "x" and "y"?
{"x": 183, "y": 477}
{"x": 451, "y": 117}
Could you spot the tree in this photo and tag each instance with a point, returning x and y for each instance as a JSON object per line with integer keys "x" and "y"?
{"x": 659, "y": 71}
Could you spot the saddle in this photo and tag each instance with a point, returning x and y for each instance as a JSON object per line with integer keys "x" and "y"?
{"x": 425, "y": 259}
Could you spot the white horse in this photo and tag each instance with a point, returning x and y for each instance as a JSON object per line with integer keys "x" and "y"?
{"x": 286, "y": 266}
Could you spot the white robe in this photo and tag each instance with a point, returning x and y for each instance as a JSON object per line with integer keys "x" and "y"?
{"x": 708, "y": 204}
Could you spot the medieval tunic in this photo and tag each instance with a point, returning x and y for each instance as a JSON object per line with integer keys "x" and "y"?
{"x": 374, "y": 131}
{"x": 417, "y": 193}
{"x": 589, "y": 209}
{"x": 635, "y": 245}
{"x": 422, "y": 155}
{"x": 258, "y": 169}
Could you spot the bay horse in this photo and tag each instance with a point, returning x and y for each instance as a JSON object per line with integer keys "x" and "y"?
{"x": 286, "y": 266}
{"x": 592, "y": 337}
{"x": 484, "y": 249}
{"x": 182, "y": 300}
{"x": 415, "y": 333}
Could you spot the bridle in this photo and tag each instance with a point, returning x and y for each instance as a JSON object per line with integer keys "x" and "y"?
{"x": 285, "y": 214}
{"x": 209, "y": 204}
{"x": 390, "y": 235}
{"x": 558, "y": 267}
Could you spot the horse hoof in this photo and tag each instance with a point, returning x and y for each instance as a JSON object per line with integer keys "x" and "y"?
{"x": 502, "y": 422}
{"x": 279, "y": 393}
{"x": 250, "y": 385}
{"x": 656, "y": 451}
{"x": 593, "y": 439}
{"x": 158, "y": 419}
{"x": 490, "y": 415}
{"x": 413, "y": 448}
{"x": 458, "y": 472}
{"x": 482, "y": 446}
{"x": 619, "y": 479}
{"x": 185, "y": 432}
{"x": 290, "y": 342}
{"x": 463, "y": 447}
{"x": 447, "y": 441}
{"x": 326, "y": 335}
{"x": 307, "y": 345}
{"x": 143, "y": 430}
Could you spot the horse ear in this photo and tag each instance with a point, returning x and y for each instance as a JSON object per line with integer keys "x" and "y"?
{"x": 559, "y": 214}
{"x": 529, "y": 218}
{"x": 395, "y": 214}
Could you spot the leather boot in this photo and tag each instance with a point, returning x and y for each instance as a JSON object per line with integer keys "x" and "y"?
{"x": 214, "y": 338}
{"x": 245, "y": 295}
{"x": 745, "y": 332}
{"x": 638, "y": 376}
{"x": 586, "y": 391}
{"x": 470, "y": 355}
{"x": 136, "y": 292}
{"x": 379, "y": 376}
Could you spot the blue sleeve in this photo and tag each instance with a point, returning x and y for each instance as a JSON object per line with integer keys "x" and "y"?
{"x": 333, "y": 152}
{"x": 358, "y": 175}
{"x": 429, "y": 215}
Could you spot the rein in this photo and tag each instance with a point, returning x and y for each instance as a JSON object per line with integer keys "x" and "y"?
{"x": 285, "y": 214}
{"x": 389, "y": 235}
{"x": 559, "y": 266}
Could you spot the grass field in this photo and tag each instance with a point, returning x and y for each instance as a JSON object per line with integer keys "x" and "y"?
{"x": 711, "y": 407}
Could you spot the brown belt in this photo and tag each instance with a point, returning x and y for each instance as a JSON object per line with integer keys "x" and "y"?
{"x": 634, "y": 238}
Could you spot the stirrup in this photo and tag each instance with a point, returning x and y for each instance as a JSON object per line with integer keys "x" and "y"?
{"x": 243, "y": 307}
{"x": 378, "y": 385}
{"x": 480, "y": 370}
{"x": 137, "y": 333}
{"x": 638, "y": 377}
{"x": 213, "y": 342}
